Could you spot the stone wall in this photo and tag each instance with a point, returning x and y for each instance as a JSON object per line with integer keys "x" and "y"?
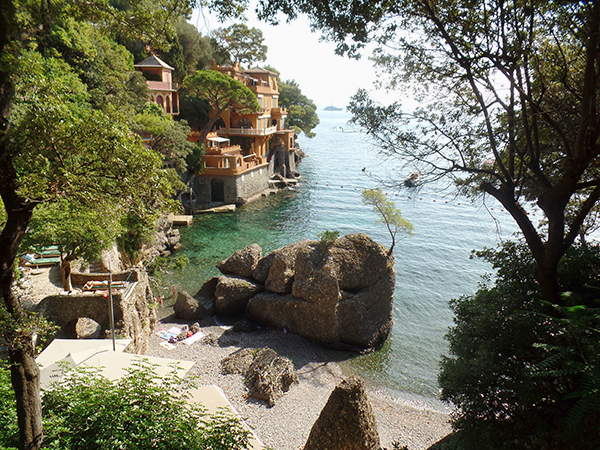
{"x": 252, "y": 182}
{"x": 134, "y": 318}
{"x": 243, "y": 186}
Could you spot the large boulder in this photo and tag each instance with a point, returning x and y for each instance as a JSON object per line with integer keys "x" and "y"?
{"x": 270, "y": 376}
{"x": 232, "y": 294}
{"x": 347, "y": 421}
{"x": 242, "y": 262}
{"x": 341, "y": 294}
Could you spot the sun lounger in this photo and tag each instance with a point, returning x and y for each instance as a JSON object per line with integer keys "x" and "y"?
{"x": 32, "y": 261}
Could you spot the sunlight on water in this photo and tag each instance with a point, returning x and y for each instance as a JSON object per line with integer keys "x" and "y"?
{"x": 432, "y": 266}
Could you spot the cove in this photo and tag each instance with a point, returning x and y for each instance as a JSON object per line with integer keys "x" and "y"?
{"x": 432, "y": 266}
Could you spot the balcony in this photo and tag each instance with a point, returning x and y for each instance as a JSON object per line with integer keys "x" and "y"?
{"x": 229, "y": 165}
{"x": 162, "y": 86}
{"x": 248, "y": 131}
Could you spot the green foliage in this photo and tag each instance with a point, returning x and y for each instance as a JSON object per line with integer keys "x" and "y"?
{"x": 302, "y": 111}
{"x": 9, "y": 432}
{"x": 328, "y": 237}
{"x": 140, "y": 411}
{"x": 525, "y": 373}
{"x": 194, "y": 159}
{"x": 97, "y": 160}
{"x": 193, "y": 109}
{"x": 388, "y": 213}
{"x": 221, "y": 91}
{"x": 240, "y": 44}
{"x": 79, "y": 231}
{"x": 162, "y": 264}
{"x": 164, "y": 135}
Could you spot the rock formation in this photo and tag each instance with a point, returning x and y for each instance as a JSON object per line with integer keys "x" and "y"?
{"x": 268, "y": 375}
{"x": 133, "y": 318}
{"x": 347, "y": 421}
{"x": 340, "y": 294}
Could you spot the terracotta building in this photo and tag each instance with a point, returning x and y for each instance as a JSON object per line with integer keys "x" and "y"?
{"x": 244, "y": 151}
{"x": 160, "y": 82}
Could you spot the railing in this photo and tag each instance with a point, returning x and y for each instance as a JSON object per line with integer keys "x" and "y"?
{"x": 221, "y": 150}
{"x": 162, "y": 86}
{"x": 230, "y": 165}
{"x": 249, "y": 131}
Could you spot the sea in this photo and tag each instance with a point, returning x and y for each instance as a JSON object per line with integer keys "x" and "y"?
{"x": 433, "y": 265}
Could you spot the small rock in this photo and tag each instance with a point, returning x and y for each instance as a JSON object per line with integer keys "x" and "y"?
{"x": 86, "y": 328}
{"x": 232, "y": 294}
{"x": 244, "y": 326}
{"x": 187, "y": 307}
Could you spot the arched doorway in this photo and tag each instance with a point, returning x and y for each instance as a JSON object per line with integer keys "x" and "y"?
{"x": 159, "y": 101}
{"x": 217, "y": 190}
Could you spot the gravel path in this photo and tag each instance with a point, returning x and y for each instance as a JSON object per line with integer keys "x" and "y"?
{"x": 286, "y": 425}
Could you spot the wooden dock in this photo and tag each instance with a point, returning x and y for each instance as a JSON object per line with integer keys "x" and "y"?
{"x": 180, "y": 220}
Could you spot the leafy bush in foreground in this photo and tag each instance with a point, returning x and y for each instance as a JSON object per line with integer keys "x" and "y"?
{"x": 9, "y": 431}
{"x": 140, "y": 411}
{"x": 525, "y": 373}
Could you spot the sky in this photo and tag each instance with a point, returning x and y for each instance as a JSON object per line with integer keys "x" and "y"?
{"x": 297, "y": 54}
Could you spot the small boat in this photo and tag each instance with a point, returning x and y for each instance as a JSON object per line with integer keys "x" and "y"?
{"x": 413, "y": 179}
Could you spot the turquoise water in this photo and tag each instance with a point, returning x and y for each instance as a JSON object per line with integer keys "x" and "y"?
{"x": 432, "y": 266}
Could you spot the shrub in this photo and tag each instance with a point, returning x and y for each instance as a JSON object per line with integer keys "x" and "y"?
{"x": 328, "y": 237}
{"x": 140, "y": 411}
{"x": 9, "y": 431}
{"x": 524, "y": 373}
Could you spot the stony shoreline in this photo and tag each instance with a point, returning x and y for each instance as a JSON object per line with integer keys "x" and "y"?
{"x": 286, "y": 425}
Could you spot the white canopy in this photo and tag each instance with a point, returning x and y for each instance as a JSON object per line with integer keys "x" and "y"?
{"x": 98, "y": 353}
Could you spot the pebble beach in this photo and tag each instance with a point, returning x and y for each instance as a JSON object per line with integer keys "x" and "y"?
{"x": 286, "y": 425}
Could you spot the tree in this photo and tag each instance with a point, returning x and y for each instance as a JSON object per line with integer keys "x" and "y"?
{"x": 86, "y": 410}
{"x": 78, "y": 231}
{"x": 56, "y": 146}
{"x": 222, "y": 92}
{"x": 524, "y": 373}
{"x": 165, "y": 136}
{"x": 508, "y": 94}
{"x": 388, "y": 214}
{"x": 189, "y": 51}
{"x": 239, "y": 44}
{"x": 302, "y": 111}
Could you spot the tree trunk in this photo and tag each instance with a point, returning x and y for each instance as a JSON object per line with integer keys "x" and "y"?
{"x": 65, "y": 271}
{"x": 210, "y": 124}
{"x": 25, "y": 377}
{"x": 24, "y": 370}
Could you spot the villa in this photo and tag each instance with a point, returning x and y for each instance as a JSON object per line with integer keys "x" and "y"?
{"x": 243, "y": 151}
{"x": 158, "y": 75}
